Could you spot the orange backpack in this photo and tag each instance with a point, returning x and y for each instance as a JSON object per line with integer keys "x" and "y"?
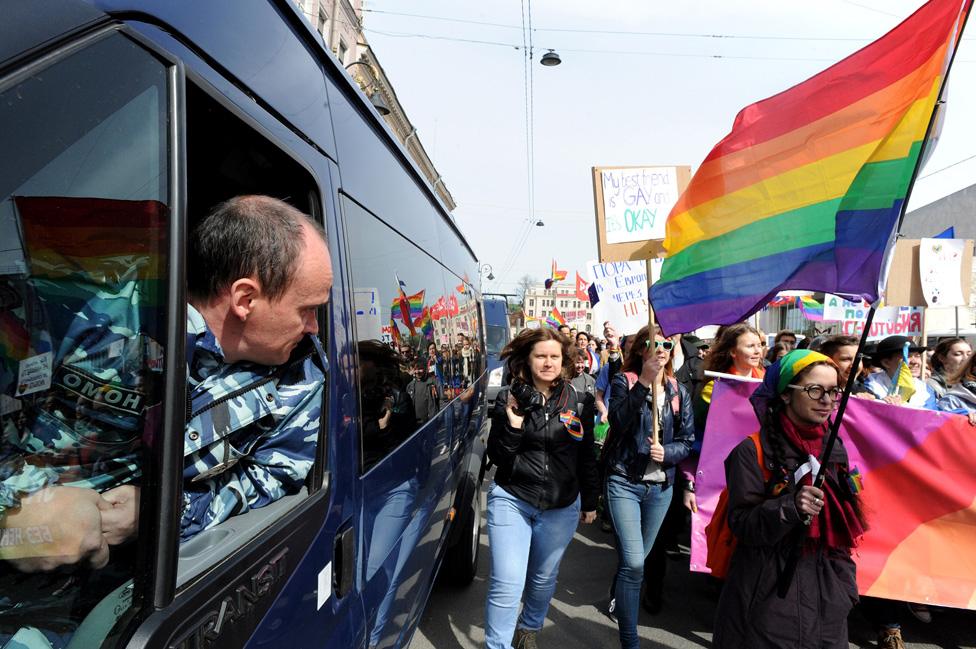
{"x": 719, "y": 538}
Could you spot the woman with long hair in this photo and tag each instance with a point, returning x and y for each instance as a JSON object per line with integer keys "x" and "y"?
{"x": 546, "y": 482}
{"x": 949, "y": 357}
{"x": 640, "y": 471}
{"x": 737, "y": 350}
{"x": 773, "y": 506}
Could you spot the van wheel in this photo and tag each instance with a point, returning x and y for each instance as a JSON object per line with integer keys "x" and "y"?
{"x": 461, "y": 560}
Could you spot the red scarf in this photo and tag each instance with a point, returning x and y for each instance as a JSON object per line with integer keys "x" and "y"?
{"x": 837, "y": 525}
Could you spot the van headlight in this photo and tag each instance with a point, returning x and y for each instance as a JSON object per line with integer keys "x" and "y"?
{"x": 495, "y": 377}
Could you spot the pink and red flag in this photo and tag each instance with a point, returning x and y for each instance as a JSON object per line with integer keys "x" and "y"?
{"x": 919, "y": 493}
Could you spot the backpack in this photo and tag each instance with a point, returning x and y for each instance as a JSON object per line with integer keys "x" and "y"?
{"x": 719, "y": 538}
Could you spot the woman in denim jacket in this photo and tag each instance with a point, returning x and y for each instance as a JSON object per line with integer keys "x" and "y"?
{"x": 640, "y": 474}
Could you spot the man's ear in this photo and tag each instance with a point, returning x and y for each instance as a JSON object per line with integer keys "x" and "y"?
{"x": 243, "y": 292}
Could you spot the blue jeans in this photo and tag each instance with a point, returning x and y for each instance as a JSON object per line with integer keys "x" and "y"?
{"x": 637, "y": 511}
{"x": 526, "y": 546}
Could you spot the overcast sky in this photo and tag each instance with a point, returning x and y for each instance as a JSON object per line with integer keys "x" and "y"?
{"x": 663, "y": 96}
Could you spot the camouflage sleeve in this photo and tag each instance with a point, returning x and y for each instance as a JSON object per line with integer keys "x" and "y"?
{"x": 18, "y": 478}
{"x": 276, "y": 466}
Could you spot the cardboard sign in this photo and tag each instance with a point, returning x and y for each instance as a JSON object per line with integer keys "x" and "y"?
{"x": 632, "y": 205}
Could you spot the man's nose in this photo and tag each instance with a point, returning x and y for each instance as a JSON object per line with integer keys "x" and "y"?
{"x": 312, "y": 323}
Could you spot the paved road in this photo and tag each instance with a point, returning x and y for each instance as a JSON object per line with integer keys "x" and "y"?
{"x": 454, "y": 617}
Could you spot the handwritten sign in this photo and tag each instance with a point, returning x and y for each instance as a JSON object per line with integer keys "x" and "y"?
{"x": 367, "y": 306}
{"x": 888, "y": 321}
{"x": 940, "y": 269}
{"x": 637, "y": 201}
{"x": 622, "y": 289}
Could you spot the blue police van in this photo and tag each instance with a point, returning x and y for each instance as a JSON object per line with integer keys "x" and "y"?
{"x": 122, "y": 124}
{"x": 498, "y": 333}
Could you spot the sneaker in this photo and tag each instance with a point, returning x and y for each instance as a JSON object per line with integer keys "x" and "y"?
{"x": 921, "y": 612}
{"x": 525, "y": 639}
{"x": 611, "y": 607}
{"x": 890, "y": 639}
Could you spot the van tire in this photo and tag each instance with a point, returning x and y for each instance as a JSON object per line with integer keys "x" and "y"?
{"x": 461, "y": 560}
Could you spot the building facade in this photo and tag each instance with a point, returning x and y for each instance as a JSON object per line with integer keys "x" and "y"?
{"x": 340, "y": 23}
{"x": 540, "y": 301}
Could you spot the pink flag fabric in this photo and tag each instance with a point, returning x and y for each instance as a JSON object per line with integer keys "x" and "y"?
{"x": 918, "y": 472}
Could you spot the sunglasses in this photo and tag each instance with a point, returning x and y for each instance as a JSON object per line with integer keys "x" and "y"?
{"x": 666, "y": 345}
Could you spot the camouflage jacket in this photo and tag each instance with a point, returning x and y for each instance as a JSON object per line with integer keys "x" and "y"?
{"x": 80, "y": 420}
{"x": 251, "y": 432}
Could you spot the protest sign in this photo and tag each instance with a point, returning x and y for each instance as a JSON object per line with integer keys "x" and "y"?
{"x": 888, "y": 321}
{"x": 919, "y": 493}
{"x": 940, "y": 269}
{"x": 367, "y": 306}
{"x": 632, "y": 205}
{"x": 621, "y": 287}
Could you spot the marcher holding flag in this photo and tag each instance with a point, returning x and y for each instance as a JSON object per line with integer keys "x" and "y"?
{"x": 896, "y": 384}
{"x": 769, "y": 515}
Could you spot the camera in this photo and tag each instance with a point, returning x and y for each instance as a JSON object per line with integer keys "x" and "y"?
{"x": 526, "y": 396}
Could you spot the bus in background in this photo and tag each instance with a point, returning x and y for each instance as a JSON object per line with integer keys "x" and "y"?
{"x": 125, "y": 122}
{"x": 499, "y": 333}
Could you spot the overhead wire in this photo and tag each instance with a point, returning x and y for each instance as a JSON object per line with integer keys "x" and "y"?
{"x": 527, "y": 225}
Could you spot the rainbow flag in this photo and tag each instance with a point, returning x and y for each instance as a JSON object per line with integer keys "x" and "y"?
{"x": 407, "y": 308}
{"x": 395, "y": 334}
{"x": 425, "y": 323}
{"x": 805, "y": 191}
{"x": 555, "y": 319}
{"x": 914, "y": 468}
{"x": 555, "y": 275}
{"x": 812, "y": 310}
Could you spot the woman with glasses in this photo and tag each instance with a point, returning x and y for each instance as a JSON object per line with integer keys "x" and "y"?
{"x": 640, "y": 471}
{"x": 772, "y": 509}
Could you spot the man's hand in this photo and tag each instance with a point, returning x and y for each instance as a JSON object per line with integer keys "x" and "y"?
{"x": 120, "y": 514}
{"x": 587, "y": 517}
{"x": 893, "y": 399}
{"x": 56, "y": 526}
{"x": 690, "y": 501}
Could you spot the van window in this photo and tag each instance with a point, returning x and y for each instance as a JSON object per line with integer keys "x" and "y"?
{"x": 400, "y": 294}
{"x": 244, "y": 472}
{"x": 84, "y": 213}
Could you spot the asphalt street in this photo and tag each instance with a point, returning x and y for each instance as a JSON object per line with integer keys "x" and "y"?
{"x": 454, "y": 617}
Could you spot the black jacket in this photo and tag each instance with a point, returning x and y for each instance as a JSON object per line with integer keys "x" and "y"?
{"x": 541, "y": 463}
{"x": 750, "y": 614}
{"x": 630, "y": 428}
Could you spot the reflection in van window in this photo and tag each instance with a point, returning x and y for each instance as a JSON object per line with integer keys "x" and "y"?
{"x": 84, "y": 215}
{"x": 401, "y": 309}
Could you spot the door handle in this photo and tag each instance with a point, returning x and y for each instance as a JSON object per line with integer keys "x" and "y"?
{"x": 345, "y": 560}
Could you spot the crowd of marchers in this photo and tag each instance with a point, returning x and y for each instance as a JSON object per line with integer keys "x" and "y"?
{"x": 610, "y": 427}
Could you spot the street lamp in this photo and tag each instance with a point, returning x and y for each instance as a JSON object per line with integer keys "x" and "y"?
{"x": 374, "y": 94}
{"x": 539, "y": 223}
{"x": 486, "y": 270}
{"x": 550, "y": 59}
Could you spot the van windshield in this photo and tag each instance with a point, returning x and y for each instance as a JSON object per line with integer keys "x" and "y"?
{"x": 497, "y": 338}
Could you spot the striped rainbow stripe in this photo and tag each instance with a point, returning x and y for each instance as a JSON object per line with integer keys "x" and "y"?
{"x": 806, "y": 189}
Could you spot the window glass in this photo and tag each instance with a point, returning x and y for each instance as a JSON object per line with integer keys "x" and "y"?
{"x": 83, "y": 220}
{"x": 245, "y": 464}
{"x": 403, "y": 311}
